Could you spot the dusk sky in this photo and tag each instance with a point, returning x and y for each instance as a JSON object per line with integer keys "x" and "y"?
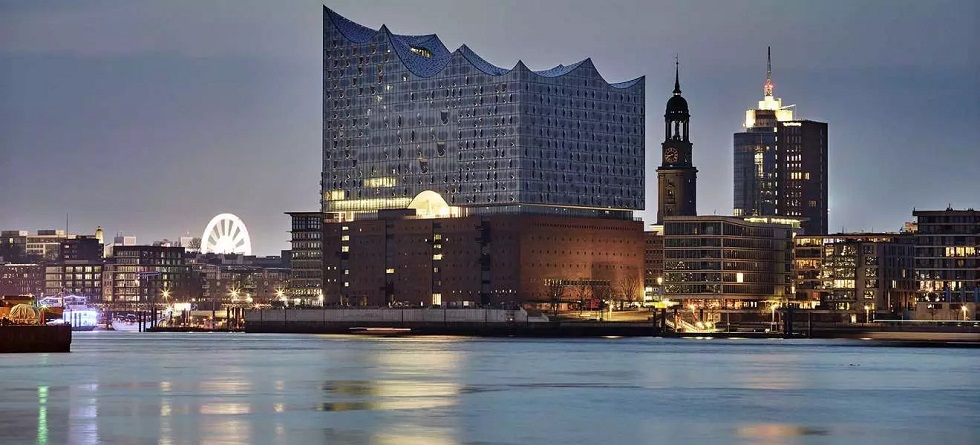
{"x": 148, "y": 118}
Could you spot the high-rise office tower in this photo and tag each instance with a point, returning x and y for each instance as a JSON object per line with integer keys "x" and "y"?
{"x": 781, "y": 164}
{"x": 677, "y": 179}
{"x": 403, "y": 115}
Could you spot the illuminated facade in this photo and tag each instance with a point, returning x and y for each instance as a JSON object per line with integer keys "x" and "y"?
{"x": 403, "y": 115}
{"x": 306, "y": 257}
{"x": 401, "y": 260}
{"x": 947, "y": 255}
{"x": 653, "y": 260}
{"x": 78, "y": 269}
{"x": 21, "y": 279}
{"x": 727, "y": 262}
{"x": 144, "y": 273}
{"x": 781, "y": 165}
{"x": 677, "y": 179}
{"x": 852, "y": 272}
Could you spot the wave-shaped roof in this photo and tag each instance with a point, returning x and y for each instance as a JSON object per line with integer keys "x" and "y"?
{"x": 439, "y": 56}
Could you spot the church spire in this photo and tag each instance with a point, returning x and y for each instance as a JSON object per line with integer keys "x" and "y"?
{"x": 677, "y": 76}
{"x": 767, "y": 89}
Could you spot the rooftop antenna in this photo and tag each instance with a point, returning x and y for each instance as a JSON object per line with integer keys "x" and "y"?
{"x": 767, "y": 89}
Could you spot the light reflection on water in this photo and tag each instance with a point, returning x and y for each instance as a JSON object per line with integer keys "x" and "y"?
{"x": 175, "y": 389}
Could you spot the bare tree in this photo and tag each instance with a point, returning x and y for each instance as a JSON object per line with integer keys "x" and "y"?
{"x": 555, "y": 290}
{"x": 601, "y": 292}
{"x": 581, "y": 293}
{"x": 630, "y": 287}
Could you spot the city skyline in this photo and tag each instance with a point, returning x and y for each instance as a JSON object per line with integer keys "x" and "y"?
{"x": 228, "y": 101}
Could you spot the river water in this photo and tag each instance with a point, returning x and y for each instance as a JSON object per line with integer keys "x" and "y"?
{"x": 129, "y": 388}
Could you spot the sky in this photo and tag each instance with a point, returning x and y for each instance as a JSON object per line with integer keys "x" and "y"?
{"x": 150, "y": 117}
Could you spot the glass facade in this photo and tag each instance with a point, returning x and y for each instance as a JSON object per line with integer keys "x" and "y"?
{"x": 717, "y": 257}
{"x": 402, "y": 115}
{"x": 947, "y": 255}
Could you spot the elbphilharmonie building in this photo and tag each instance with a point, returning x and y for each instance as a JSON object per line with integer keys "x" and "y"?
{"x": 407, "y": 123}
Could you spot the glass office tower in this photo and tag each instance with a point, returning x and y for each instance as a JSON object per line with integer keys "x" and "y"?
{"x": 781, "y": 165}
{"x": 403, "y": 115}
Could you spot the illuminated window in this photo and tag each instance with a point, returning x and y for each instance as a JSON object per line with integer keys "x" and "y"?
{"x": 390, "y": 270}
{"x": 422, "y": 52}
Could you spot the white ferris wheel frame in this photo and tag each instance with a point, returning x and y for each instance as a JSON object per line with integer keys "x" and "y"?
{"x": 226, "y": 233}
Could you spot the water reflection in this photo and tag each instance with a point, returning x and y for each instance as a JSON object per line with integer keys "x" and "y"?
{"x": 83, "y": 427}
{"x": 411, "y": 434}
{"x": 42, "y": 415}
{"x": 776, "y": 433}
{"x": 374, "y": 395}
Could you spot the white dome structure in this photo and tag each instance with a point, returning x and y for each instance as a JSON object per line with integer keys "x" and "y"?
{"x": 429, "y": 204}
{"x": 226, "y": 233}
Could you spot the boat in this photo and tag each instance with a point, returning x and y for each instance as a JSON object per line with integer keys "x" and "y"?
{"x": 74, "y": 310}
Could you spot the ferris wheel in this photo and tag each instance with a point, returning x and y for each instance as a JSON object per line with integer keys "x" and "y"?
{"x": 226, "y": 233}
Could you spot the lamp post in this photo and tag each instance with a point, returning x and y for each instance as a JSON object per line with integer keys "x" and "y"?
{"x": 166, "y": 297}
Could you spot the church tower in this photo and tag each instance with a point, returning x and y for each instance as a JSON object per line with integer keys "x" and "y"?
{"x": 676, "y": 176}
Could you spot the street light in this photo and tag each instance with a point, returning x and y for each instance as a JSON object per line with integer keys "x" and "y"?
{"x": 867, "y": 313}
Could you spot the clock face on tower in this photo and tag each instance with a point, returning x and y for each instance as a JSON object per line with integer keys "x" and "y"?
{"x": 670, "y": 155}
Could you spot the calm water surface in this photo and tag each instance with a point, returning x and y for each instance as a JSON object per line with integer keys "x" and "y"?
{"x": 133, "y": 388}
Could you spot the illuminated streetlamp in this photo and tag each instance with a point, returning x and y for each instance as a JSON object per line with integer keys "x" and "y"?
{"x": 867, "y": 313}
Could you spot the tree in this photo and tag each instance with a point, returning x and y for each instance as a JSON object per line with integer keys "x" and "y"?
{"x": 581, "y": 293}
{"x": 630, "y": 287}
{"x": 555, "y": 290}
{"x": 601, "y": 291}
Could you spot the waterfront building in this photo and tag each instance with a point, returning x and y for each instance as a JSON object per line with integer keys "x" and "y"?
{"x": 306, "y": 257}
{"x": 146, "y": 273}
{"x": 856, "y": 272}
{"x": 676, "y": 177}
{"x": 401, "y": 259}
{"x": 448, "y": 180}
{"x": 21, "y": 279}
{"x": 653, "y": 262}
{"x": 781, "y": 164}
{"x": 947, "y": 256}
{"x": 78, "y": 269}
{"x": 725, "y": 262}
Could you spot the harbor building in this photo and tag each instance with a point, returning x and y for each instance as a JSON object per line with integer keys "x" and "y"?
{"x": 78, "y": 268}
{"x": 726, "y": 262}
{"x": 524, "y": 176}
{"x": 653, "y": 263}
{"x": 21, "y": 279}
{"x": 146, "y": 273}
{"x": 947, "y": 256}
{"x": 305, "y": 281}
{"x": 781, "y": 164}
{"x": 399, "y": 260}
{"x": 856, "y": 272}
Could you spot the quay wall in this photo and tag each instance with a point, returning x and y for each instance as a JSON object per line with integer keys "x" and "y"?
{"x": 35, "y": 338}
{"x": 464, "y": 322}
